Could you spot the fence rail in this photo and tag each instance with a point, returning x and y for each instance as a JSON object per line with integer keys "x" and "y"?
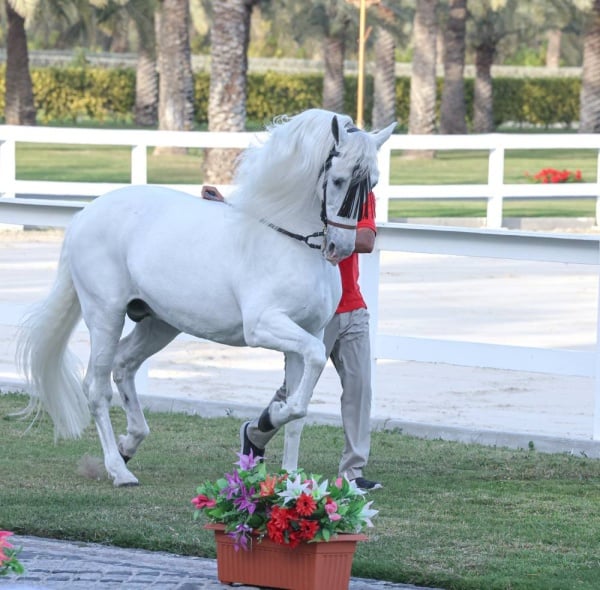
{"x": 494, "y": 191}
{"x": 490, "y": 243}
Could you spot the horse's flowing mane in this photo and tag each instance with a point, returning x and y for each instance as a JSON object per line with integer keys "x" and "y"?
{"x": 277, "y": 180}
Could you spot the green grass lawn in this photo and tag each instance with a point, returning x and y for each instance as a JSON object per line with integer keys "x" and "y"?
{"x": 454, "y": 516}
{"x": 112, "y": 164}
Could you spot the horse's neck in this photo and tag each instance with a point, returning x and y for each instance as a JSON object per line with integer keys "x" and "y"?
{"x": 301, "y": 214}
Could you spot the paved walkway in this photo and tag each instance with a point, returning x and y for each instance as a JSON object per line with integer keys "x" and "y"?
{"x": 487, "y": 300}
{"x": 56, "y": 565}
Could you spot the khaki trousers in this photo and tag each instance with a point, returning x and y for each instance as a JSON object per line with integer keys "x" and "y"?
{"x": 347, "y": 343}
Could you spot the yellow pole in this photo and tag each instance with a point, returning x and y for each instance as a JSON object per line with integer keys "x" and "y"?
{"x": 360, "y": 99}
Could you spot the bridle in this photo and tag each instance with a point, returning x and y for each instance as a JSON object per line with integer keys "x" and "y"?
{"x": 324, "y": 219}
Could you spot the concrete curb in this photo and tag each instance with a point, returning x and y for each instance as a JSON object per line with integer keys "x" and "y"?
{"x": 494, "y": 438}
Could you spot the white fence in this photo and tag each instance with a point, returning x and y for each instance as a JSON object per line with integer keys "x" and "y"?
{"x": 490, "y": 243}
{"x": 494, "y": 191}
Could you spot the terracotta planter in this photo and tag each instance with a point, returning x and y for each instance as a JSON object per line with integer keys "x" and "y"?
{"x": 310, "y": 566}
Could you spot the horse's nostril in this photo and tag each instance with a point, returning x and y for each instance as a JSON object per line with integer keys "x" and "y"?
{"x": 331, "y": 248}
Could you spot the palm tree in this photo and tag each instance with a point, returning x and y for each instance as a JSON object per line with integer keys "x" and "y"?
{"x": 493, "y": 21}
{"x": 384, "y": 79}
{"x": 423, "y": 79}
{"x": 486, "y": 40}
{"x": 146, "y": 75}
{"x": 453, "y": 109}
{"x": 230, "y": 35}
{"x": 590, "y": 83}
{"x": 19, "y": 106}
{"x": 112, "y": 15}
{"x": 176, "y": 87}
{"x": 334, "y": 18}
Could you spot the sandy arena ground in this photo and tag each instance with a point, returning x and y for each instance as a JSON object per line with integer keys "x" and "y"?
{"x": 496, "y": 301}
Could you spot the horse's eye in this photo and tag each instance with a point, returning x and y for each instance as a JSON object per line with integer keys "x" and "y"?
{"x": 338, "y": 182}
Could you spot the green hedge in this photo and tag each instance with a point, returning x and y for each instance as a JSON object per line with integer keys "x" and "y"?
{"x": 69, "y": 94}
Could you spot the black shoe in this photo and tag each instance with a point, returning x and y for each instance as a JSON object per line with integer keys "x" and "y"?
{"x": 366, "y": 484}
{"x": 246, "y": 445}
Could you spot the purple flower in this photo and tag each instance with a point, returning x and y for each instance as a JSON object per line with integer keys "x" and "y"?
{"x": 234, "y": 485}
{"x": 247, "y": 462}
{"x": 241, "y": 535}
{"x": 244, "y": 501}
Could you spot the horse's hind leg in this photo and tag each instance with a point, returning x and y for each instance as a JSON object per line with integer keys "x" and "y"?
{"x": 148, "y": 337}
{"x": 104, "y": 339}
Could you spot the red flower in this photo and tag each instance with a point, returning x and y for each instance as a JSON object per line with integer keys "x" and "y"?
{"x": 552, "y": 175}
{"x": 305, "y": 505}
{"x": 275, "y": 533}
{"x": 280, "y": 518}
{"x": 203, "y": 501}
{"x": 295, "y": 538}
{"x": 267, "y": 487}
{"x": 308, "y": 529}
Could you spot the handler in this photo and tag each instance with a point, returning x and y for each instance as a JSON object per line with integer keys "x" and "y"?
{"x": 347, "y": 343}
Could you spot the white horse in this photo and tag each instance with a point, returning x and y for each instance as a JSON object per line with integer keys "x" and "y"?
{"x": 259, "y": 272}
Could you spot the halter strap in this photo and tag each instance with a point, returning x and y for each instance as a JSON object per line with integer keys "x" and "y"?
{"x": 295, "y": 236}
{"x": 342, "y": 225}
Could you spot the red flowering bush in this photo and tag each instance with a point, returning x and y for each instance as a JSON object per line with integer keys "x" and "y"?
{"x": 288, "y": 507}
{"x": 8, "y": 556}
{"x": 552, "y": 175}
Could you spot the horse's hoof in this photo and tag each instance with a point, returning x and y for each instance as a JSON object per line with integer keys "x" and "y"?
{"x": 127, "y": 484}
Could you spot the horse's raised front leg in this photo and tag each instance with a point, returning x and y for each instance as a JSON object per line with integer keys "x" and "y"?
{"x": 303, "y": 369}
{"x": 147, "y": 338}
{"x": 97, "y": 386}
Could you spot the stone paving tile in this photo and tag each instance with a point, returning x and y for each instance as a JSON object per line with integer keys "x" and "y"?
{"x": 62, "y": 565}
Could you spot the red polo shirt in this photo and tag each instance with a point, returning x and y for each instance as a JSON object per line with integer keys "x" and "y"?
{"x": 351, "y": 296}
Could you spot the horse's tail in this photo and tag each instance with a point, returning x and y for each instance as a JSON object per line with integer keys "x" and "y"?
{"x": 52, "y": 371}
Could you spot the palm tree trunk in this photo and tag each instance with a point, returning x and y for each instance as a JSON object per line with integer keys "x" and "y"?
{"x": 590, "y": 84}
{"x": 453, "y": 109}
{"x": 176, "y": 85}
{"x": 384, "y": 99}
{"x": 553, "y": 51}
{"x": 483, "y": 101}
{"x": 423, "y": 80}
{"x": 334, "y": 50}
{"x": 146, "y": 76}
{"x": 230, "y": 36}
{"x": 19, "y": 107}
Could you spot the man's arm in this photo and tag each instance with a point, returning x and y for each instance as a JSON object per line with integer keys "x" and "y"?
{"x": 365, "y": 240}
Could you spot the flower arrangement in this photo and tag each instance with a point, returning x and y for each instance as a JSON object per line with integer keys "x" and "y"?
{"x": 288, "y": 507}
{"x": 8, "y": 556}
{"x": 552, "y": 175}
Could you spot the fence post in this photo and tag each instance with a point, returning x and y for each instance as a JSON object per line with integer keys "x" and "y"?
{"x": 139, "y": 164}
{"x": 495, "y": 185}
{"x": 7, "y": 168}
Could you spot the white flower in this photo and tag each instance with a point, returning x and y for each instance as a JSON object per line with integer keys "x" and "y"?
{"x": 319, "y": 491}
{"x": 367, "y": 513}
{"x": 293, "y": 489}
{"x": 354, "y": 489}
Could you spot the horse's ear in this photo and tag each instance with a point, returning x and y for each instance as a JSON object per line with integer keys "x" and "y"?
{"x": 382, "y": 136}
{"x": 335, "y": 129}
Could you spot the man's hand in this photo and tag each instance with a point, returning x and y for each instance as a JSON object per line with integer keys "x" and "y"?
{"x": 211, "y": 193}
